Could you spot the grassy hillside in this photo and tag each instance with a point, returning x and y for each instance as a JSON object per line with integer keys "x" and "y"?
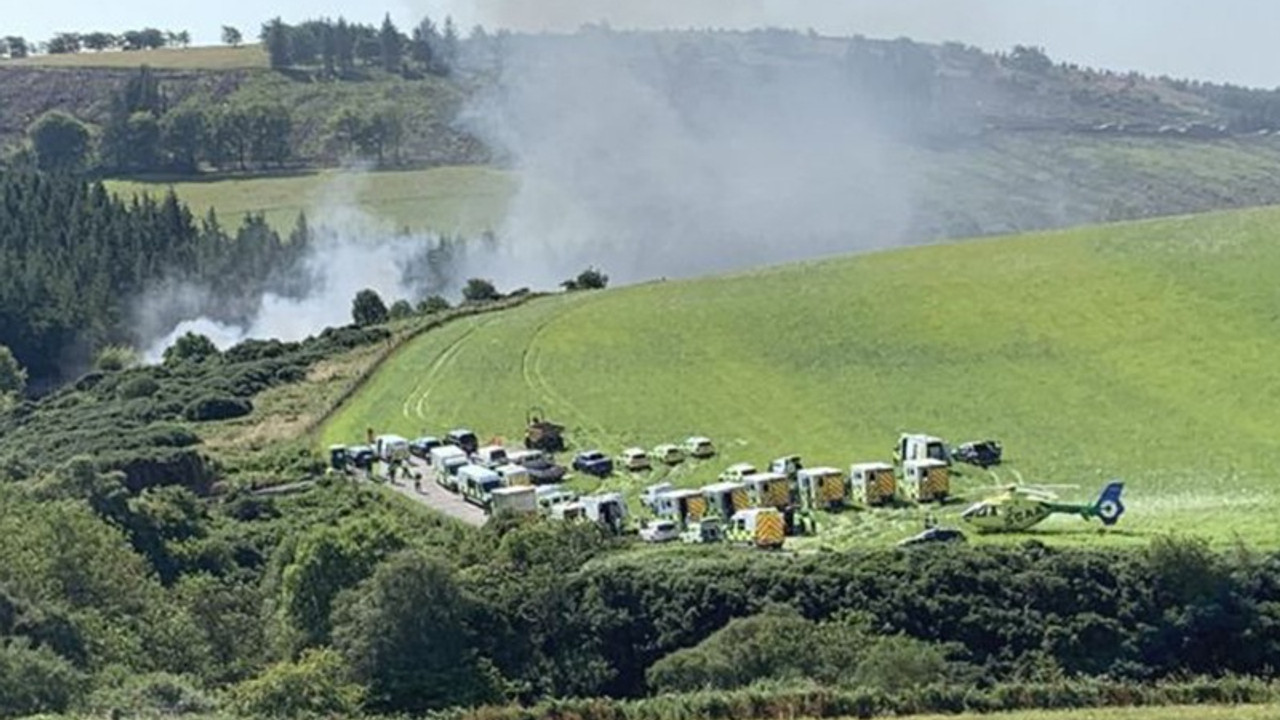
{"x": 216, "y": 57}
{"x": 1140, "y": 351}
{"x": 465, "y": 200}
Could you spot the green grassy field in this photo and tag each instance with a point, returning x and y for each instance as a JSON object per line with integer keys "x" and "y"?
{"x": 466, "y": 200}
{"x": 214, "y": 57}
{"x": 1190, "y": 712}
{"x": 1141, "y": 351}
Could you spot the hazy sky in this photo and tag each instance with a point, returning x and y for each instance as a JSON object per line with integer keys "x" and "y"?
{"x": 1227, "y": 40}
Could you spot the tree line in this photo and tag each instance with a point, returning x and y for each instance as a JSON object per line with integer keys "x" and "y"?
{"x": 64, "y": 43}
{"x": 339, "y": 48}
{"x": 144, "y": 132}
{"x": 76, "y": 257}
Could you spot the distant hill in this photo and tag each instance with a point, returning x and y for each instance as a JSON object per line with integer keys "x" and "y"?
{"x": 994, "y": 142}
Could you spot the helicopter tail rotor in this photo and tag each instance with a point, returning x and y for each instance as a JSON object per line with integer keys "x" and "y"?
{"x": 1108, "y": 508}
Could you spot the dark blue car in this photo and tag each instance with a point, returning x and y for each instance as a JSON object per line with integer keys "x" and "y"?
{"x": 593, "y": 462}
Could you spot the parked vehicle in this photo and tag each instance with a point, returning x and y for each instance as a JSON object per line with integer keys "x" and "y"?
{"x": 476, "y": 483}
{"x": 657, "y": 531}
{"x": 464, "y": 439}
{"x": 421, "y": 447}
{"x": 669, "y": 454}
{"x": 699, "y": 447}
{"x": 491, "y": 456}
{"x": 542, "y": 469}
{"x": 636, "y": 460}
{"x": 593, "y": 462}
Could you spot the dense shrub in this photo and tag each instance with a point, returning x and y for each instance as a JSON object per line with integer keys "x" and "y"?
{"x": 316, "y": 685}
{"x": 217, "y": 408}
{"x": 151, "y": 695}
{"x": 138, "y": 387}
{"x": 35, "y": 680}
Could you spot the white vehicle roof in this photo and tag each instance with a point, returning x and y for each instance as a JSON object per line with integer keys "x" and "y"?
{"x": 602, "y": 498}
{"x": 511, "y": 469}
{"x": 925, "y": 462}
{"x": 763, "y": 477}
{"x": 698, "y": 440}
{"x": 390, "y": 438}
{"x": 667, "y": 446}
{"x": 870, "y": 466}
{"x": 478, "y": 471}
{"x": 741, "y": 467}
{"x": 634, "y": 451}
{"x": 920, "y": 436}
{"x": 819, "y": 471}
{"x": 448, "y": 451}
{"x": 517, "y": 490}
{"x": 682, "y": 493}
{"x": 723, "y": 487}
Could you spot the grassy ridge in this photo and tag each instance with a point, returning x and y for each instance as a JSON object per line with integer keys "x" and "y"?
{"x": 214, "y": 57}
{"x": 465, "y": 200}
{"x": 1140, "y": 351}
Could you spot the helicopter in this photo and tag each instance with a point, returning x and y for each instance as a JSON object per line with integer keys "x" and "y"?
{"x": 1018, "y": 508}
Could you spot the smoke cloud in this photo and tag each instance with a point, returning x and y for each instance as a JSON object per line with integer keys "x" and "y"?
{"x": 676, "y": 155}
{"x": 349, "y": 252}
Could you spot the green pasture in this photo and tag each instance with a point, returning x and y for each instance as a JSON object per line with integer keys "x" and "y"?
{"x": 213, "y": 57}
{"x": 453, "y": 200}
{"x": 1142, "y": 351}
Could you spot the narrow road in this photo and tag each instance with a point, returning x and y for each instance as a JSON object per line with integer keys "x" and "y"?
{"x": 437, "y": 498}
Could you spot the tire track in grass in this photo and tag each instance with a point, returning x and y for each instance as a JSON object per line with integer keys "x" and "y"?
{"x": 536, "y": 381}
{"x": 431, "y": 377}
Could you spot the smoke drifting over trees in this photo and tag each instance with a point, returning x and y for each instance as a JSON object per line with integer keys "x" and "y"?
{"x": 670, "y": 156}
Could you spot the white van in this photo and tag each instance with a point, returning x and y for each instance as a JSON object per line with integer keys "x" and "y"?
{"x": 445, "y": 461}
{"x": 514, "y": 475}
{"x": 521, "y": 500}
{"x": 391, "y": 447}
{"x": 476, "y": 483}
{"x": 491, "y": 456}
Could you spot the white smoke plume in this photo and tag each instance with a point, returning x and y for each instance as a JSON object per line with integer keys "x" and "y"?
{"x": 350, "y": 252}
{"x": 648, "y": 156}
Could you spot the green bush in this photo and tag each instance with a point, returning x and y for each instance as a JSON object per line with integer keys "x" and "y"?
{"x": 114, "y": 358}
{"x": 151, "y": 695}
{"x": 217, "y": 408}
{"x": 433, "y": 304}
{"x": 36, "y": 680}
{"x": 138, "y": 387}
{"x": 317, "y": 685}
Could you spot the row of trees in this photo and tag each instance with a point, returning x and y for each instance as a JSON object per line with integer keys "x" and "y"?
{"x": 16, "y": 46}
{"x": 143, "y": 133}
{"x": 337, "y": 48}
{"x": 129, "y": 40}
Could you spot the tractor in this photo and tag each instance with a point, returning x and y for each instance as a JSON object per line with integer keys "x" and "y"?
{"x": 542, "y": 434}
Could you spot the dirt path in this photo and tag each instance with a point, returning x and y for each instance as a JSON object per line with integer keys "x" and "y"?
{"x": 430, "y": 493}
